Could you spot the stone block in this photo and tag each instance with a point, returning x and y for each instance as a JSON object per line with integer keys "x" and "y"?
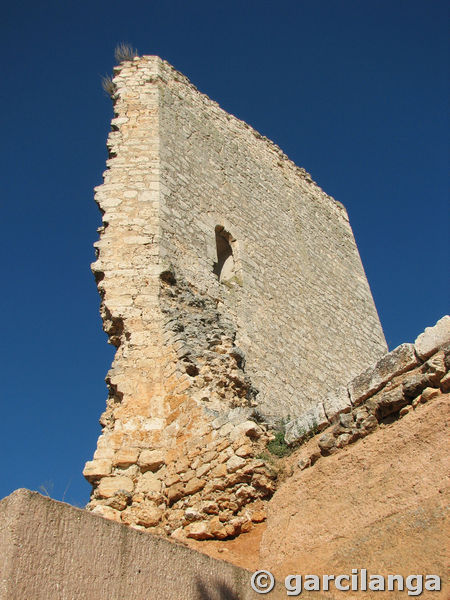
{"x": 235, "y": 463}
{"x": 313, "y": 420}
{"x": 390, "y": 401}
{"x": 327, "y": 443}
{"x": 108, "y": 486}
{"x": 125, "y": 457}
{"x": 248, "y": 428}
{"x": 149, "y": 483}
{"x": 94, "y": 469}
{"x": 194, "y": 485}
{"x": 400, "y": 360}
{"x": 428, "y": 394}
{"x": 433, "y": 338}
{"x": 148, "y": 515}
{"x": 445, "y": 383}
{"x": 151, "y": 460}
{"x": 199, "y": 531}
{"x": 337, "y": 402}
{"x": 107, "y": 512}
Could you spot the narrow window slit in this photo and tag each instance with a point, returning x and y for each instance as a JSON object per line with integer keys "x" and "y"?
{"x": 224, "y": 267}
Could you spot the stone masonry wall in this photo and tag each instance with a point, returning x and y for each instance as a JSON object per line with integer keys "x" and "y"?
{"x": 300, "y": 301}
{"x": 403, "y": 379}
{"x": 203, "y": 366}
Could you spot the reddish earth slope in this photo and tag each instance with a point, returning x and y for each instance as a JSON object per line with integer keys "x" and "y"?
{"x": 379, "y": 504}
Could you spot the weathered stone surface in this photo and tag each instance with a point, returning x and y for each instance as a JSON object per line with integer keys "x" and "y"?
{"x": 108, "y": 486}
{"x": 445, "y": 383}
{"x": 244, "y": 451}
{"x": 235, "y": 463}
{"x": 194, "y": 485}
{"x": 312, "y": 421}
{"x": 433, "y": 338}
{"x": 175, "y": 492}
{"x": 429, "y": 394}
{"x": 337, "y": 402}
{"x": 148, "y": 515}
{"x": 199, "y": 531}
{"x": 107, "y": 512}
{"x": 148, "y": 482}
{"x": 374, "y": 378}
{"x": 94, "y": 469}
{"x": 248, "y": 428}
{"x": 126, "y": 457}
{"x": 390, "y": 401}
{"x": 120, "y": 500}
{"x": 435, "y": 368}
{"x": 327, "y": 443}
{"x": 151, "y": 460}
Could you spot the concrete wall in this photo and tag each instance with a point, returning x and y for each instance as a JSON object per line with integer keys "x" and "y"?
{"x": 52, "y": 551}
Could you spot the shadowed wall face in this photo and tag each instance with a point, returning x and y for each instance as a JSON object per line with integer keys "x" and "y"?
{"x": 58, "y": 551}
{"x": 233, "y": 290}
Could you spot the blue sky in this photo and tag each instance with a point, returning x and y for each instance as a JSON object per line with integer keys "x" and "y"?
{"x": 354, "y": 91}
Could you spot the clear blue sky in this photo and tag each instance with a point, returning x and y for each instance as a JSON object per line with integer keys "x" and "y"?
{"x": 354, "y": 91}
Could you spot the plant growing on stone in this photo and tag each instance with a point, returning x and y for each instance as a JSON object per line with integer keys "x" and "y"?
{"x": 108, "y": 85}
{"x": 278, "y": 446}
{"x": 124, "y": 52}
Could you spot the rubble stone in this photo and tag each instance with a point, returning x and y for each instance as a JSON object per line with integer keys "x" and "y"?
{"x": 433, "y": 338}
{"x": 402, "y": 359}
{"x": 108, "y": 486}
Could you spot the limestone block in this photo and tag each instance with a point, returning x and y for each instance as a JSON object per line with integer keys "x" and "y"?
{"x": 199, "y": 530}
{"x": 234, "y": 463}
{"x": 202, "y": 470}
{"x": 194, "y": 485}
{"x": 94, "y": 469}
{"x": 148, "y": 515}
{"x": 433, "y": 338}
{"x": 110, "y": 485}
{"x": 445, "y": 383}
{"x": 151, "y": 460}
{"x": 107, "y": 512}
{"x": 219, "y": 471}
{"x": 327, "y": 443}
{"x": 120, "y": 500}
{"x": 337, "y": 402}
{"x": 126, "y": 457}
{"x": 244, "y": 451}
{"x": 248, "y": 428}
{"x": 415, "y": 383}
{"x": 435, "y": 367}
{"x": 374, "y": 378}
{"x": 429, "y": 393}
{"x": 314, "y": 419}
{"x": 175, "y": 492}
{"x": 391, "y": 401}
{"x": 148, "y": 483}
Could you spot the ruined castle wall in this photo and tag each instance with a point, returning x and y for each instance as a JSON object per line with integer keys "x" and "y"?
{"x": 165, "y": 460}
{"x": 300, "y": 301}
{"x": 199, "y": 360}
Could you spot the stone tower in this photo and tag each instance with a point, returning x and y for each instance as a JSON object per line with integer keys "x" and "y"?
{"x": 233, "y": 291}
